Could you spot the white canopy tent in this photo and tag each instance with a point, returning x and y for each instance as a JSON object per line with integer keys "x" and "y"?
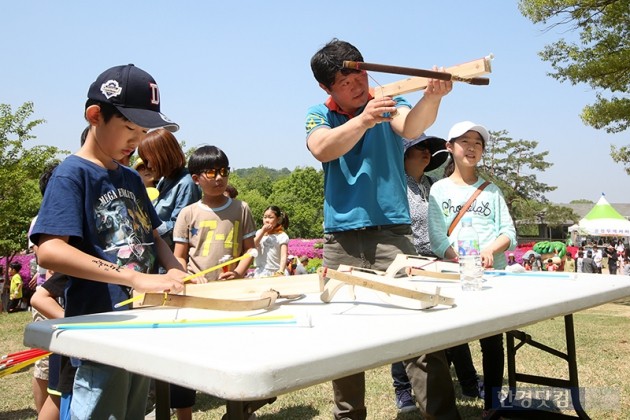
{"x": 603, "y": 220}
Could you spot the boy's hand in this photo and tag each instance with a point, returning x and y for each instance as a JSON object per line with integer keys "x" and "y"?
{"x": 171, "y": 282}
{"x": 229, "y": 275}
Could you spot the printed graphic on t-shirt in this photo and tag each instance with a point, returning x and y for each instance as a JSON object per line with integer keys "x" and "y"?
{"x": 122, "y": 225}
{"x": 211, "y": 237}
{"x": 313, "y": 120}
{"x": 481, "y": 208}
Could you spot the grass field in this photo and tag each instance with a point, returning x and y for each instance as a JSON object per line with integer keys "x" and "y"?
{"x": 603, "y": 352}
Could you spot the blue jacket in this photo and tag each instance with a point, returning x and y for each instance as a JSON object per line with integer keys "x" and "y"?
{"x": 175, "y": 193}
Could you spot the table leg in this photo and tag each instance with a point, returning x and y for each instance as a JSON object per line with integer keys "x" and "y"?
{"x": 162, "y": 401}
{"x": 572, "y": 384}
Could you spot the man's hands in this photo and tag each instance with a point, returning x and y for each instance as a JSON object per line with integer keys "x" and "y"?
{"x": 437, "y": 88}
{"x": 378, "y": 110}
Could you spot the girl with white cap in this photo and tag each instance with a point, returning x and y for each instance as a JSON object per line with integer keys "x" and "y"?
{"x": 491, "y": 219}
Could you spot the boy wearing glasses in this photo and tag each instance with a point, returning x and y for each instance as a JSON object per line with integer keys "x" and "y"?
{"x": 215, "y": 228}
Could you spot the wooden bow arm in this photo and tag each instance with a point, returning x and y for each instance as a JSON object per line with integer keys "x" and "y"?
{"x": 469, "y": 69}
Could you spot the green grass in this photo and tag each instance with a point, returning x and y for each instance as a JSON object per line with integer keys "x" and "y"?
{"x": 603, "y": 352}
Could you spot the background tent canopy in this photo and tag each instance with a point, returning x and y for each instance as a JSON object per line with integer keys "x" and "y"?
{"x": 604, "y": 220}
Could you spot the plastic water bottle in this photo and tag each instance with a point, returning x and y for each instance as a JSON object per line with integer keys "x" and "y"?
{"x": 470, "y": 269}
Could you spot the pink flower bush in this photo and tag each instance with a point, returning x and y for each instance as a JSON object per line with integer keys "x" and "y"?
{"x": 312, "y": 248}
{"x": 25, "y": 260}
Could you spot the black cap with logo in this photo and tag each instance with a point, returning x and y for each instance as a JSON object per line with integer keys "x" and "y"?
{"x": 134, "y": 93}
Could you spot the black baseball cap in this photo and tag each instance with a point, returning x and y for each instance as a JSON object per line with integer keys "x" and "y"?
{"x": 134, "y": 93}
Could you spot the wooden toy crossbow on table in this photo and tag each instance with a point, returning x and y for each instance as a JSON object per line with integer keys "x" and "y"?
{"x": 397, "y": 291}
{"x": 395, "y": 286}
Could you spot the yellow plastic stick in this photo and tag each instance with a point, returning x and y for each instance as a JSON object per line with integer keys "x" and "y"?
{"x": 192, "y": 276}
{"x": 21, "y": 365}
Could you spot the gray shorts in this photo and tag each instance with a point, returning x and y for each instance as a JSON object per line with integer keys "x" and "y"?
{"x": 374, "y": 247}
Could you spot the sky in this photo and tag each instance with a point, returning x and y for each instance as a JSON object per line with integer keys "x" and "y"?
{"x": 237, "y": 74}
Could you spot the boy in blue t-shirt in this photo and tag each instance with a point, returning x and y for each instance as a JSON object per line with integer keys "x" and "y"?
{"x": 97, "y": 225}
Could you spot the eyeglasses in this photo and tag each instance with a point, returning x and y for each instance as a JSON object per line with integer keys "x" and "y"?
{"x": 212, "y": 173}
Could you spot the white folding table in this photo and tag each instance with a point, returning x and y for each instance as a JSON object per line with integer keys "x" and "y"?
{"x": 249, "y": 363}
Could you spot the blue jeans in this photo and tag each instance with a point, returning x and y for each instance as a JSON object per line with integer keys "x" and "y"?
{"x": 399, "y": 375}
{"x": 106, "y": 392}
{"x": 64, "y": 407}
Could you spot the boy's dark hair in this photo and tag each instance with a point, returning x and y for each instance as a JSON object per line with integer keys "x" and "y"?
{"x": 16, "y": 266}
{"x": 207, "y": 157}
{"x": 84, "y": 134}
{"x": 329, "y": 60}
{"x": 107, "y": 110}
{"x": 161, "y": 150}
{"x": 45, "y": 176}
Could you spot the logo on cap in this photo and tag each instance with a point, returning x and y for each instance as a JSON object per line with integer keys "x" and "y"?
{"x": 111, "y": 88}
{"x": 155, "y": 94}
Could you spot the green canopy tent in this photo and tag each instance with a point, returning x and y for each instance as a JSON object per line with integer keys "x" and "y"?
{"x": 604, "y": 220}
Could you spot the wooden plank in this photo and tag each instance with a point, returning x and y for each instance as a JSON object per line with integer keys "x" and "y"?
{"x": 252, "y": 288}
{"x": 387, "y": 285}
{"x": 266, "y": 300}
{"x": 472, "y": 68}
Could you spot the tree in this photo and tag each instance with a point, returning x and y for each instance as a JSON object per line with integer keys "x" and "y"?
{"x": 20, "y": 169}
{"x": 621, "y": 155}
{"x": 512, "y": 165}
{"x": 600, "y": 60}
{"x": 258, "y": 179}
{"x": 301, "y": 196}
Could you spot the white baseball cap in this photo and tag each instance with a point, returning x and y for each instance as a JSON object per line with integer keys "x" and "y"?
{"x": 461, "y": 128}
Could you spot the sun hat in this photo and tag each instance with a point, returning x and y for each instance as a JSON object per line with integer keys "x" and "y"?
{"x": 138, "y": 163}
{"x": 134, "y": 93}
{"x": 436, "y": 146}
{"x": 461, "y": 128}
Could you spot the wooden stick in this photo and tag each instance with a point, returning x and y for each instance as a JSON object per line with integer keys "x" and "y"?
{"x": 251, "y": 253}
{"x": 472, "y": 68}
{"x": 383, "y": 284}
{"x": 266, "y": 300}
{"x": 409, "y": 71}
